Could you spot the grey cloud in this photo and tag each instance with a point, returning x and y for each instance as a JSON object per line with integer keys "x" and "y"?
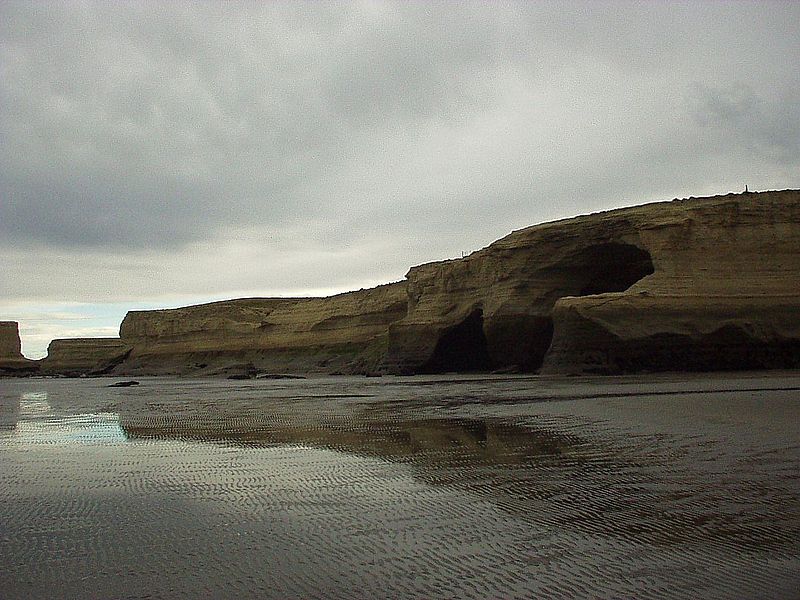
{"x": 159, "y": 134}
{"x": 418, "y": 62}
{"x": 740, "y": 116}
{"x": 166, "y": 122}
{"x": 430, "y": 127}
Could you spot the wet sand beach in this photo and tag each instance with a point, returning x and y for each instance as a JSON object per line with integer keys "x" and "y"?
{"x": 674, "y": 486}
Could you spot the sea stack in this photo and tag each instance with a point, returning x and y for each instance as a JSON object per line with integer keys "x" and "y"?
{"x": 12, "y": 362}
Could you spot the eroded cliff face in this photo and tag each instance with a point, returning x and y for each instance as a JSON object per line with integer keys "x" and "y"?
{"x": 84, "y": 356}
{"x": 636, "y": 333}
{"x": 346, "y": 333}
{"x": 12, "y": 362}
{"x": 698, "y": 284}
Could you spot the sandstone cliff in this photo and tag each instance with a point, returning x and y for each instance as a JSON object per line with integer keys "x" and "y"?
{"x": 12, "y": 362}
{"x": 83, "y": 356}
{"x": 697, "y": 284}
{"x": 343, "y": 333}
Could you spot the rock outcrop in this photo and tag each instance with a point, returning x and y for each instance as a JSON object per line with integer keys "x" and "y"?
{"x": 697, "y": 284}
{"x": 12, "y": 362}
{"x": 344, "y": 333}
{"x": 84, "y": 356}
{"x": 10, "y": 346}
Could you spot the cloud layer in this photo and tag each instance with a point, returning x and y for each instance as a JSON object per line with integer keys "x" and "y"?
{"x": 156, "y": 149}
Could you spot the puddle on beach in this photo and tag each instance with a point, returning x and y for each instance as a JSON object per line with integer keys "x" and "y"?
{"x": 401, "y": 487}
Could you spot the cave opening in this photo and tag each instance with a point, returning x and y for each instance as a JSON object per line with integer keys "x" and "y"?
{"x": 461, "y": 347}
{"x": 598, "y": 269}
{"x": 612, "y": 267}
{"x": 519, "y": 343}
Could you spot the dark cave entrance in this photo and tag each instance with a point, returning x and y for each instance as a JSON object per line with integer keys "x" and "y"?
{"x": 612, "y": 267}
{"x": 461, "y": 347}
{"x": 520, "y": 342}
{"x": 598, "y": 269}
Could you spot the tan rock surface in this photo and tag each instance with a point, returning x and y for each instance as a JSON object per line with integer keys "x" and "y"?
{"x": 688, "y": 268}
{"x": 10, "y": 346}
{"x": 84, "y": 356}
{"x": 12, "y": 362}
{"x": 695, "y": 284}
{"x": 347, "y": 333}
{"x": 619, "y": 333}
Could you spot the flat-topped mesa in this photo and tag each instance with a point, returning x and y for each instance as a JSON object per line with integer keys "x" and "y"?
{"x": 697, "y": 284}
{"x": 84, "y": 356}
{"x": 12, "y": 362}
{"x": 343, "y": 333}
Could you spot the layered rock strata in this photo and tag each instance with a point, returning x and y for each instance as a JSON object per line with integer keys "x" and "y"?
{"x": 697, "y": 284}
{"x": 12, "y": 362}
{"x": 84, "y": 356}
{"x": 346, "y": 333}
{"x": 639, "y": 333}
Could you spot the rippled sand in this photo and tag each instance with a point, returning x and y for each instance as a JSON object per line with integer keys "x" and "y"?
{"x": 669, "y": 487}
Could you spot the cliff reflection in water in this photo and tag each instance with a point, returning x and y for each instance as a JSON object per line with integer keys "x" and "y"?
{"x": 662, "y": 488}
{"x": 405, "y": 488}
{"x": 457, "y": 450}
{"x": 9, "y": 415}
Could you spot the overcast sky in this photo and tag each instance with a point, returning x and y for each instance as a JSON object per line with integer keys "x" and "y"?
{"x": 165, "y": 153}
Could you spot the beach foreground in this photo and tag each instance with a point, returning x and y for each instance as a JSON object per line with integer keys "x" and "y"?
{"x": 676, "y": 486}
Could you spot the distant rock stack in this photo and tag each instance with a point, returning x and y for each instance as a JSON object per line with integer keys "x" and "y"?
{"x": 12, "y": 362}
{"x": 10, "y": 345}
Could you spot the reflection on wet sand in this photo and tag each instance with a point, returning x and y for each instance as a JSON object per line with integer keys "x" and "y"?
{"x": 31, "y": 419}
{"x": 341, "y": 488}
{"x": 486, "y": 456}
{"x": 596, "y": 487}
{"x": 9, "y": 415}
{"x": 476, "y": 440}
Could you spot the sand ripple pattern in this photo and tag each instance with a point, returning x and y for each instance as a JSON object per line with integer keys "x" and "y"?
{"x": 434, "y": 487}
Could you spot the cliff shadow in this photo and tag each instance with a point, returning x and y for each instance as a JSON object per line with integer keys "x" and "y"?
{"x": 728, "y": 348}
{"x": 461, "y": 347}
{"x": 611, "y": 267}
